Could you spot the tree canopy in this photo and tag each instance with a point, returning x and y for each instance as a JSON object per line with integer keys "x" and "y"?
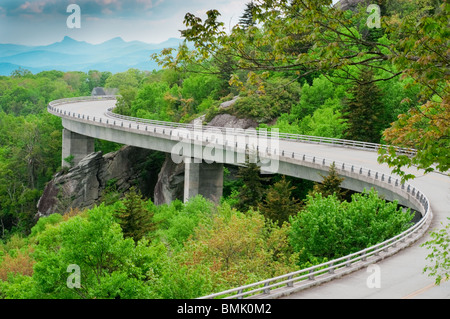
{"x": 304, "y": 38}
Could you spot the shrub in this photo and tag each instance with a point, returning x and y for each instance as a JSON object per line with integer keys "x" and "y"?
{"x": 329, "y": 228}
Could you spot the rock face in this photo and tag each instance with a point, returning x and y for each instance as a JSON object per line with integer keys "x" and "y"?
{"x": 351, "y": 4}
{"x": 231, "y": 121}
{"x": 170, "y": 185}
{"x": 83, "y": 185}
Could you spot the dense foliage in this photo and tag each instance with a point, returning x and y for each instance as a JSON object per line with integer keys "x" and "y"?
{"x": 193, "y": 249}
{"x": 438, "y": 246}
{"x": 407, "y": 54}
{"x": 300, "y": 66}
{"x": 329, "y": 228}
{"x": 30, "y": 138}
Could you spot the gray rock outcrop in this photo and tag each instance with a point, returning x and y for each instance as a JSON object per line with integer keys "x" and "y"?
{"x": 351, "y": 4}
{"x": 83, "y": 185}
{"x": 231, "y": 121}
{"x": 170, "y": 185}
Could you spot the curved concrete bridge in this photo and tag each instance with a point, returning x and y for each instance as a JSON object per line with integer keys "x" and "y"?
{"x": 205, "y": 149}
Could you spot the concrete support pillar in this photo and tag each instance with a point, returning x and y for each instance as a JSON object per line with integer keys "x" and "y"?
{"x": 211, "y": 181}
{"x": 203, "y": 179}
{"x": 76, "y": 145}
{"x": 191, "y": 179}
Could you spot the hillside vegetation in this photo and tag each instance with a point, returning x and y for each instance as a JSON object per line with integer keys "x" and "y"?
{"x": 299, "y": 66}
{"x": 189, "y": 250}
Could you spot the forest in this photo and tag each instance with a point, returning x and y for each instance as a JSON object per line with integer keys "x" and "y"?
{"x": 314, "y": 71}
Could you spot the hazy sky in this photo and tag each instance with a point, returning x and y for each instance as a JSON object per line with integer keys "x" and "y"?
{"x": 41, "y": 22}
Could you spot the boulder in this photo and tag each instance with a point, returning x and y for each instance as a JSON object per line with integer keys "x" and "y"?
{"x": 351, "y": 4}
{"x": 170, "y": 184}
{"x": 231, "y": 121}
{"x": 83, "y": 185}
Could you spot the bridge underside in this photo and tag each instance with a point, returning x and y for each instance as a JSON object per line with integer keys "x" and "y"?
{"x": 207, "y": 179}
{"x": 200, "y": 178}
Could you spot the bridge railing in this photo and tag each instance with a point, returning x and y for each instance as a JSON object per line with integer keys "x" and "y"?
{"x": 307, "y": 277}
{"x": 266, "y": 133}
{"x": 81, "y": 99}
{"x": 269, "y": 133}
{"x": 304, "y": 277}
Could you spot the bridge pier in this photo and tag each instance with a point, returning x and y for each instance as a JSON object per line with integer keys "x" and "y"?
{"x": 203, "y": 179}
{"x": 76, "y": 145}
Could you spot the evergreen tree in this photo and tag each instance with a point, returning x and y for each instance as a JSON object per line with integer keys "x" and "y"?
{"x": 246, "y": 20}
{"x": 252, "y": 191}
{"x": 363, "y": 111}
{"x": 279, "y": 203}
{"x": 331, "y": 184}
{"x": 134, "y": 218}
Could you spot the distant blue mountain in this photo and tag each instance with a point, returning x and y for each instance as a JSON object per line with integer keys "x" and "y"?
{"x": 115, "y": 55}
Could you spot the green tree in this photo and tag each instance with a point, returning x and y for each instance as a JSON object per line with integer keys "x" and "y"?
{"x": 439, "y": 255}
{"x": 279, "y": 204}
{"x": 326, "y": 121}
{"x": 125, "y": 101}
{"x": 246, "y": 20}
{"x": 200, "y": 87}
{"x": 363, "y": 110}
{"x": 110, "y": 266}
{"x": 150, "y": 101}
{"x": 251, "y": 193}
{"x": 328, "y": 228}
{"x": 331, "y": 184}
{"x": 240, "y": 248}
{"x": 135, "y": 219}
{"x": 424, "y": 129}
{"x": 314, "y": 96}
{"x": 265, "y": 100}
{"x": 125, "y": 80}
{"x": 177, "y": 221}
{"x": 97, "y": 79}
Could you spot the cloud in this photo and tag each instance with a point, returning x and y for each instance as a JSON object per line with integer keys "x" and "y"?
{"x": 44, "y": 21}
{"x": 124, "y": 9}
{"x": 147, "y": 4}
{"x": 89, "y": 7}
{"x": 35, "y": 7}
{"x": 22, "y": 7}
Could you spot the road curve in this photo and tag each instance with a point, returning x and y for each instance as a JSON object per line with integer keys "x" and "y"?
{"x": 401, "y": 274}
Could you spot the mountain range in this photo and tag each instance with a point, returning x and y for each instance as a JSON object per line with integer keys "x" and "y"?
{"x": 115, "y": 55}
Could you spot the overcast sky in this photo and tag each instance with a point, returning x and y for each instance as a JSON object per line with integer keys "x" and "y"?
{"x": 41, "y": 22}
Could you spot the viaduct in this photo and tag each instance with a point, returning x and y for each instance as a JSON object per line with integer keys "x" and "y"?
{"x": 205, "y": 149}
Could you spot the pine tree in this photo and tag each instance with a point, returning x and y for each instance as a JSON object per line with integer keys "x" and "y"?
{"x": 252, "y": 191}
{"x": 331, "y": 184}
{"x": 279, "y": 203}
{"x": 363, "y": 111}
{"x": 134, "y": 218}
{"x": 246, "y": 20}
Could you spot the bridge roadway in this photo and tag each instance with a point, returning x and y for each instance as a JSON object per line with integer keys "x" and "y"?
{"x": 401, "y": 275}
